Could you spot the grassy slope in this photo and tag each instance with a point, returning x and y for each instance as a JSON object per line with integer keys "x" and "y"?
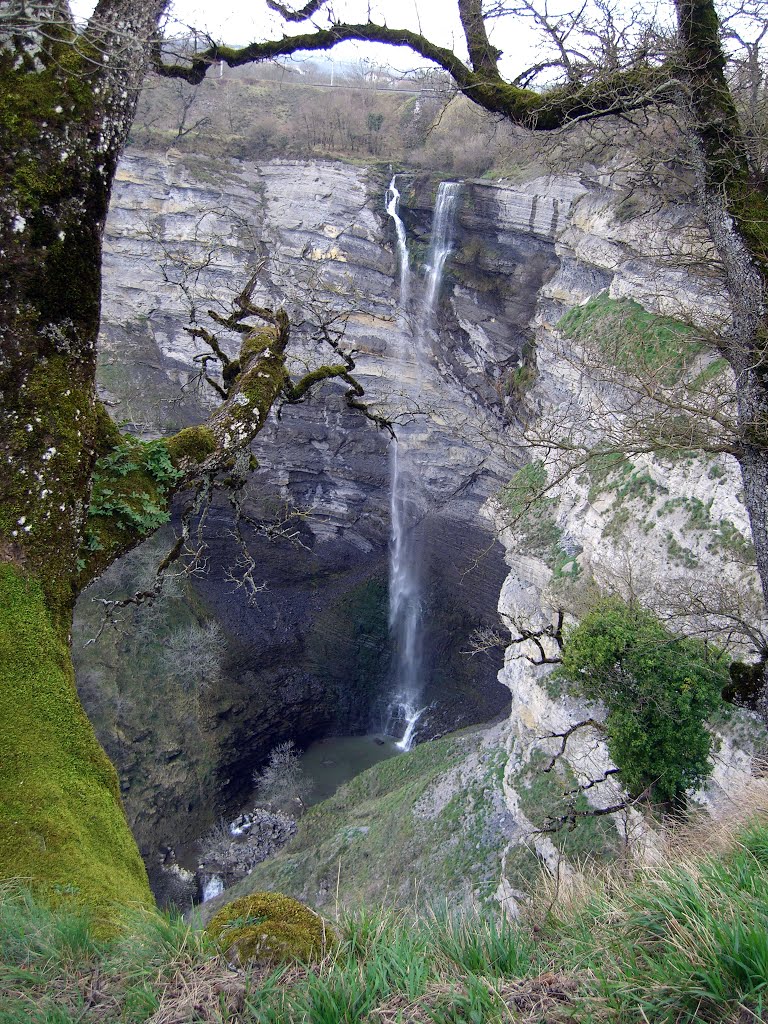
{"x": 681, "y": 943}
{"x": 426, "y": 829}
{"x": 421, "y": 827}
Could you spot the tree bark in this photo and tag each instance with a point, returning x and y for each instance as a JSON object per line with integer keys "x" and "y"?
{"x": 66, "y": 103}
{"x": 734, "y": 204}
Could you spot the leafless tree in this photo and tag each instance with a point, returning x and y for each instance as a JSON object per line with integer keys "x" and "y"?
{"x": 282, "y": 782}
{"x": 194, "y": 656}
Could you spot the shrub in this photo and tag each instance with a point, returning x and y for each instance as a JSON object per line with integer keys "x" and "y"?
{"x": 282, "y": 781}
{"x": 658, "y": 689}
{"x": 268, "y": 926}
{"x": 194, "y": 656}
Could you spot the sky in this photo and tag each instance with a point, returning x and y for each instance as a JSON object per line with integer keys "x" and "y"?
{"x": 242, "y": 21}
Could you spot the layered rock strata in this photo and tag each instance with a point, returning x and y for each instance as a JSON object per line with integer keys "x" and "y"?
{"x": 309, "y": 655}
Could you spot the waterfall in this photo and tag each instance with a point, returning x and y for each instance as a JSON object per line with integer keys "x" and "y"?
{"x": 441, "y": 243}
{"x": 213, "y": 886}
{"x": 403, "y": 264}
{"x": 404, "y": 607}
{"x": 405, "y": 597}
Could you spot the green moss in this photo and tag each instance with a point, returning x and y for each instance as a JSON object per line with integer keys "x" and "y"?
{"x": 529, "y": 512}
{"x": 271, "y": 927}
{"x": 255, "y": 345}
{"x": 724, "y": 537}
{"x": 732, "y": 541}
{"x": 749, "y": 206}
{"x": 27, "y": 98}
{"x": 47, "y": 471}
{"x": 107, "y": 434}
{"x": 523, "y": 494}
{"x": 261, "y": 378}
{"x": 132, "y": 487}
{"x": 193, "y": 444}
{"x": 633, "y": 339}
{"x": 679, "y": 553}
{"x": 61, "y": 822}
{"x": 710, "y": 372}
{"x": 520, "y": 381}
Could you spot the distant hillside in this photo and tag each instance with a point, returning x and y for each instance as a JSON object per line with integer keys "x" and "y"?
{"x": 358, "y": 114}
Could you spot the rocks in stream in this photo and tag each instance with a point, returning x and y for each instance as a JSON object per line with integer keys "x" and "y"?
{"x": 232, "y": 851}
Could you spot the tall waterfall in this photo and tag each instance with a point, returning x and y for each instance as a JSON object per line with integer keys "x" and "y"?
{"x": 405, "y": 583}
{"x": 440, "y": 244}
{"x": 403, "y": 263}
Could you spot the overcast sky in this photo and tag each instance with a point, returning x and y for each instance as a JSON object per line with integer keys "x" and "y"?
{"x": 241, "y": 21}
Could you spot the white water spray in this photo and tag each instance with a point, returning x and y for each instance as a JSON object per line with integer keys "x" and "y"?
{"x": 405, "y": 600}
{"x": 213, "y": 886}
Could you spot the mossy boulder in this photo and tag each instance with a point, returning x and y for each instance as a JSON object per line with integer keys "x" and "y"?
{"x": 269, "y": 926}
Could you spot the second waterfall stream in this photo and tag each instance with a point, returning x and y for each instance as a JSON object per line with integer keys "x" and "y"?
{"x": 418, "y": 307}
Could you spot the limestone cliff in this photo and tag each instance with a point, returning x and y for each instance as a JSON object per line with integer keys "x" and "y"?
{"x": 669, "y": 529}
{"x": 311, "y": 655}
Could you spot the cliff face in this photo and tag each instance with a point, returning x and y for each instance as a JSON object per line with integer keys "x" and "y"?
{"x": 668, "y": 529}
{"x": 310, "y": 655}
{"x": 671, "y": 531}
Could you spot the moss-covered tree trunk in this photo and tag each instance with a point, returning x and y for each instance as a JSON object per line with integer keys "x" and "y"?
{"x": 733, "y": 195}
{"x": 66, "y": 102}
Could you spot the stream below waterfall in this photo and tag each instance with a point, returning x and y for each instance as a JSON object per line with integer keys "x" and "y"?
{"x": 327, "y": 764}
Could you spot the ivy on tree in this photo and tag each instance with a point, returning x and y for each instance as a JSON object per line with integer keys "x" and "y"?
{"x": 659, "y": 691}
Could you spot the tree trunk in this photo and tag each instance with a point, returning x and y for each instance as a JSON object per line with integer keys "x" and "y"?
{"x": 62, "y": 826}
{"x": 64, "y": 112}
{"x": 735, "y": 208}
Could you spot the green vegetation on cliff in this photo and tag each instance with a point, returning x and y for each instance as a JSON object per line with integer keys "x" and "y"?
{"x": 659, "y": 691}
{"x": 633, "y": 339}
{"x": 424, "y": 827}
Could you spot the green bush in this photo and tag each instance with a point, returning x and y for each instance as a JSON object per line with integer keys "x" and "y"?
{"x": 658, "y": 689}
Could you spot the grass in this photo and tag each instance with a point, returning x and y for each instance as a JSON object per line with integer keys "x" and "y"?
{"x": 450, "y": 831}
{"x": 55, "y": 970}
{"x": 688, "y": 943}
{"x": 682, "y": 942}
{"x": 632, "y": 339}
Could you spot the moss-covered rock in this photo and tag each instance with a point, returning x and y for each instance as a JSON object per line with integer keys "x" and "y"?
{"x": 192, "y": 444}
{"x": 271, "y": 927}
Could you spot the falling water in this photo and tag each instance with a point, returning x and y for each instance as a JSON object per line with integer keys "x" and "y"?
{"x": 393, "y": 209}
{"x": 213, "y": 886}
{"x": 440, "y": 244}
{"x": 405, "y": 605}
